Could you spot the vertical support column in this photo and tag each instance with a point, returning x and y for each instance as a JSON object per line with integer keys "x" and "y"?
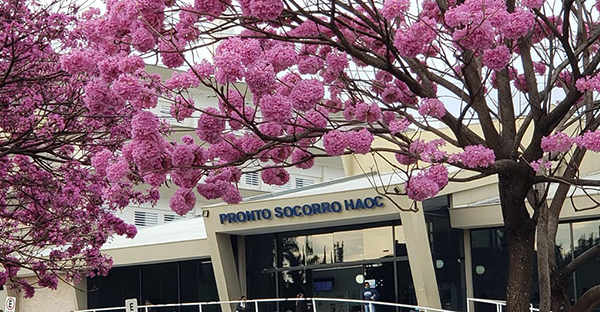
{"x": 80, "y": 294}
{"x": 226, "y": 277}
{"x": 468, "y": 268}
{"x": 241, "y": 260}
{"x": 419, "y": 258}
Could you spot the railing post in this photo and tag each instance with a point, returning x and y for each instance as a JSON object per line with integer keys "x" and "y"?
{"x": 199, "y": 307}
{"x": 255, "y": 306}
{"x": 468, "y": 304}
{"x": 498, "y": 307}
{"x": 531, "y": 307}
{"x": 314, "y": 304}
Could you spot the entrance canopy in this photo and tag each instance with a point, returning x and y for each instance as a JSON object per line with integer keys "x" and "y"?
{"x": 360, "y": 199}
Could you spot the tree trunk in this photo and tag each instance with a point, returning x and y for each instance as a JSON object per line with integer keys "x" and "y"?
{"x": 543, "y": 259}
{"x": 514, "y": 182}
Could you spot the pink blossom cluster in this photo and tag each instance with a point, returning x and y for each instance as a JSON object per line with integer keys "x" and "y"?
{"x": 428, "y": 150}
{"x": 541, "y": 165}
{"x": 558, "y": 142}
{"x": 335, "y": 142}
{"x": 432, "y": 107}
{"x": 416, "y": 38}
{"x": 589, "y": 140}
{"x": 427, "y": 183}
{"x": 475, "y": 156}
{"x": 394, "y": 8}
{"x": 275, "y": 176}
{"x": 497, "y": 58}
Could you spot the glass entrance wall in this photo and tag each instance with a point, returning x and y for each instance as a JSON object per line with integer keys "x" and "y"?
{"x": 333, "y": 262}
{"x": 173, "y": 282}
{"x": 489, "y": 249}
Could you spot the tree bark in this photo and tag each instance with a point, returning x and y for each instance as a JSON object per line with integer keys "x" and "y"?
{"x": 514, "y": 182}
{"x": 588, "y": 301}
{"x": 543, "y": 259}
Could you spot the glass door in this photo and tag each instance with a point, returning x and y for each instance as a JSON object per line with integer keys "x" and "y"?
{"x": 380, "y": 276}
{"x": 345, "y": 282}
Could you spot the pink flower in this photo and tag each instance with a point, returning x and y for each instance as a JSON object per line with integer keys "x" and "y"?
{"x": 303, "y": 158}
{"x": 260, "y": 77}
{"x": 117, "y": 171}
{"x": 183, "y": 201}
{"x": 558, "y": 142}
{"x": 276, "y": 108}
{"x": 202, "y": 70}
{"x": 420, "y": 188}
{"x": 519, "y": 23}
{"x": 127, "y": 87}
{"x": 539, "y": 68}
{"x": 212, "y": 190}
{"x": 367, "y": 113}
{"x": 282, "y": 55}
{"x": 405, "y": 160}
{"x": 266, "y": 9}
{"x": 477, "y": 36}
{"x": 275, "y": 176}
{"x": 590, "y": 140}
{"x": 170, "y": 54}
{"x": 394, "y": 8}
{"x": 99, "y": 99}
{"x": 144, "y": 125}
{"x": 438, "y": 174}
{"x": 428, "y": 151}
{"x": 335, "y": 142}
{"x": 521, "y": 83}
{"x": 250, "y": 143}
{"x": 476, "y": 156}
{"x": 306, "y": 94}
{"x": 232, "y": 195}
{"x": 211, "y": 8}
{"x": 182, "y": 108}
{"x": 229, "y": 67}
{"x": 416, "y": 38}
{"x": 155, "y": 179}
{"x": 142, "y": 40}
{"x": 533, "y": 4}
{"x": 79, "y": 61}
{"x": 131, "y": 64}
{"x": 359, "y": 141}
{"x": 336, "y": 62}
{"x": 272, "y": 129}
{"x": 183, "y": 155}
{"x": 432, "y": 107}
{"x": 397, "y": 126}
{"x": 182, "y": 80}
{"x": 210, "y": 126}
{"x": 310, "y": 65}
{"x": 496, "y": 59}
{"x": 541, "y": 165}
{"x": 427, "y": 183}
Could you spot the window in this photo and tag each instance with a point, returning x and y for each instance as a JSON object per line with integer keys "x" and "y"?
{"x": 172, "y": 217}
{"x": 302, "y": 182}
{"x": 143, "y": 219}
{"x": 252, "y": 178}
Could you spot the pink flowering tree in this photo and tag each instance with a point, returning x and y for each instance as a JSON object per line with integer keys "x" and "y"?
{"x": 56, "y": 211}
{"x": 514, "y": 82}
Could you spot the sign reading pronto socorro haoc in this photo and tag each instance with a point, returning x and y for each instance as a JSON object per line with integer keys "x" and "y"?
{"x": 302, "y": 210}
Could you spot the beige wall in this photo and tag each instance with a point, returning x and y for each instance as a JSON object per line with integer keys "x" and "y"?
{"x": 63, "y": 299}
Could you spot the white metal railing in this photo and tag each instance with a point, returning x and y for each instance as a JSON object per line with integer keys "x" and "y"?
{"x": 256, "y": 302}
{"x": 500, "y": 305}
